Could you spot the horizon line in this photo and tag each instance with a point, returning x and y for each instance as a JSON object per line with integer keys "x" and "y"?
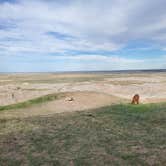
{"x": 91, "y": 71}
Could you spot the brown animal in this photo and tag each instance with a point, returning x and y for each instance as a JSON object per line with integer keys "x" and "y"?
{"x": 135, "y": 99}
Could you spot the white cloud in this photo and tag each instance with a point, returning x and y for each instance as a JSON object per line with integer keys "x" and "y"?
{"x": 94, "y": 26}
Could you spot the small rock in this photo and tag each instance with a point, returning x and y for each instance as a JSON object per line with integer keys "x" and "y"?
{"x": 69, "y": 99}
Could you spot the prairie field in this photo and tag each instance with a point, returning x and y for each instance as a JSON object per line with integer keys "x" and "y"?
{"x": 82, "y": 119}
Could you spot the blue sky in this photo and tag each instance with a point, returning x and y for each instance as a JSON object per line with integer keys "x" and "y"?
{"x": 69, "y": 35}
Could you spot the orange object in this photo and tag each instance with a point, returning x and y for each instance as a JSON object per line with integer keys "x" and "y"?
{"x": 135, "y": 99}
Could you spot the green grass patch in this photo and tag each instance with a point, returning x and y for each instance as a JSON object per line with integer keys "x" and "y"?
{"x": 28, "y": 103}
{"x": 114, "y": 135}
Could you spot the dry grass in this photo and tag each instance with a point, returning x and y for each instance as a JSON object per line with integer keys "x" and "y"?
{"x": 115, "y": 135}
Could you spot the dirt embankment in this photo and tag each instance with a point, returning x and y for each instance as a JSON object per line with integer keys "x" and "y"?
{"x": 80, "y": 101}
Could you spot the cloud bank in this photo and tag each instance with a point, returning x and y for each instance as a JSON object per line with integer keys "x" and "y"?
{"x": 83, "y": 30}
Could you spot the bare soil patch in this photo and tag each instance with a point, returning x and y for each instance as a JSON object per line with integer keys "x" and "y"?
{"x": 81, "y": 101}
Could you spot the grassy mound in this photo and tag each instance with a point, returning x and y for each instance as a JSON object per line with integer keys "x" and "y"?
{"x": 28, "y": 103}
{"x": 115, "y": 135}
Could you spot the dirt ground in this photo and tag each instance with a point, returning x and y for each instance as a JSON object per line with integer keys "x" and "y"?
{"x": 81, "y": 101}
{"x": 88, "y": 90}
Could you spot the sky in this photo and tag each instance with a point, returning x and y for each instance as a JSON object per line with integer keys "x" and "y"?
{"x": 82, "y": 35}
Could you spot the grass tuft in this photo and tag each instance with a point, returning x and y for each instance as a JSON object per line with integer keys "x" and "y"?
{"x": 28, "y": 103}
